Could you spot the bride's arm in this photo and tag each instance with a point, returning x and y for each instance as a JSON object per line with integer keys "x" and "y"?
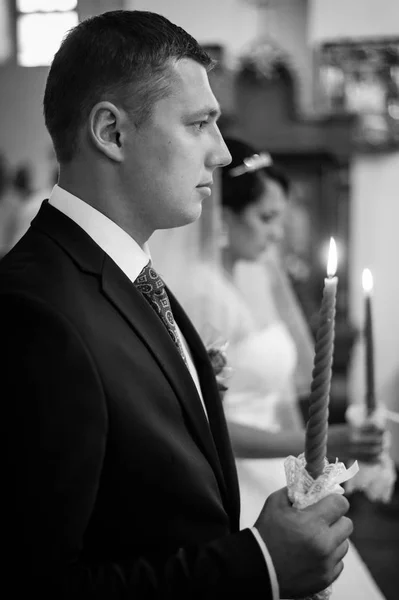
{"x": 251, "y": 442}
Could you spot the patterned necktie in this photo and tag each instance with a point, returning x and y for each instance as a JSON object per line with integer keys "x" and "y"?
{"x": 153, "y": 289}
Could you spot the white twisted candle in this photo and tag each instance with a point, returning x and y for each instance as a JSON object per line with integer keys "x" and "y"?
{"x": 317, "y": 426}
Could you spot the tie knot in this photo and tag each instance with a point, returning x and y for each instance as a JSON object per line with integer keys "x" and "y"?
{"x": 148, "y": 280}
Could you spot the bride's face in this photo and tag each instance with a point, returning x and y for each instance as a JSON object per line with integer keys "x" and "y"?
{"x": 259, "y": 225}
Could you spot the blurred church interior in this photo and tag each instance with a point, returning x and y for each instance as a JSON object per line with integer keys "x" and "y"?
{"x": 316, "y": 84}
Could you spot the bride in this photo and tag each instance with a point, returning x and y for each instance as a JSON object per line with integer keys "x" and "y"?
{"x": 234, "y": 296}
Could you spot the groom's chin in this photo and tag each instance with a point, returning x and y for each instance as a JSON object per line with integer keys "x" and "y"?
{"x": 188, "y": 216}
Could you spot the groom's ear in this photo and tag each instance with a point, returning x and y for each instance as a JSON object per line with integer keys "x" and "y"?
{"x": 105, "y": 129}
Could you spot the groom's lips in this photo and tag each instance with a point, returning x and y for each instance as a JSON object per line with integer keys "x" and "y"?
{"x": 206, "y": 184}
{"x": 206, "y": 187}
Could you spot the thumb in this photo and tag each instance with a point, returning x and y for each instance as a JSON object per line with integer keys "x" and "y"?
{"x": 281, "y": 498}
{"x": 330, "y": 508}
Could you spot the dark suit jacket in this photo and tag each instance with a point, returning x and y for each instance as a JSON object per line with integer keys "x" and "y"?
{"x": 117, "y": 485}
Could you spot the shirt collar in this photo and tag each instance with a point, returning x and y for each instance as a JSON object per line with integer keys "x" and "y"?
{"x": 111, "y": 238}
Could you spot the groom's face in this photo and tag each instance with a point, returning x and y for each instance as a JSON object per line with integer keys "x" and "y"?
{"x": 172, "y": 156}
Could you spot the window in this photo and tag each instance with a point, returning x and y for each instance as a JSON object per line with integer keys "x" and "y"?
{"x": 41, "y": 26}
{"x": 6, "y": 39}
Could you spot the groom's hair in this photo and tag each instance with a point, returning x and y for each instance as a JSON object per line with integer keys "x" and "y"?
{"x": 121, "y": 56}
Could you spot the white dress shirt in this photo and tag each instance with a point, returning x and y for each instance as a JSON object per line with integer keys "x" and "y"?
{"x": 131, "y": 259}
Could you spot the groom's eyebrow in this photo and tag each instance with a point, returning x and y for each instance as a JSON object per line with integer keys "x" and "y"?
{"x": 213, "y": 112}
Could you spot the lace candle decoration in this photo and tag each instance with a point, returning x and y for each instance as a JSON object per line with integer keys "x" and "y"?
{"x": 367, "y": 281}
{"x": 317, "y": 425}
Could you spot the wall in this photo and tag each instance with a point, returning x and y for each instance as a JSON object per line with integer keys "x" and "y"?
{"x": 374, "y": 208}
{"x": 23, "y": 135}
{"x": 331, "y": 19}
{"x": 286, "y": 21}
{"x": 237, "y": 23}
{"x": 232, "y": 23}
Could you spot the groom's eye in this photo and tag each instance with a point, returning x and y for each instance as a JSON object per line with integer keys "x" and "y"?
{"x": 200, "y": 125}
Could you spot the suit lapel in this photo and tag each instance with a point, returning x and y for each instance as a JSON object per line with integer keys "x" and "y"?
{"x": 214, "y": 408}
{"x": 149, "y": 327}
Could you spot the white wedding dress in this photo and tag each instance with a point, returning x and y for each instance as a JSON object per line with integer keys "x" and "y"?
{"x": 261, "y": 393}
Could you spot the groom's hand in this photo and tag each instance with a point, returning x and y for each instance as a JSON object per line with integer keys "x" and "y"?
{"x": 307, "y": 546}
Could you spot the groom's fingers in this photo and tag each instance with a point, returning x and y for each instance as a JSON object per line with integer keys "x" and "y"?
{"x": 337, "y": 560}
{"x": 339, "y": 567}
{"x": 340, "y": 532}
{"x": 341, "y": 551}
{"x": 331, "y": 508}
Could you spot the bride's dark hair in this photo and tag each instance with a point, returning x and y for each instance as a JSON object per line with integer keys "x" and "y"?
{"x": 243, "y": 190}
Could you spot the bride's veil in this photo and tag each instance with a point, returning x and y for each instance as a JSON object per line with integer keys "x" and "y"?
{"x": 179, "y": 254}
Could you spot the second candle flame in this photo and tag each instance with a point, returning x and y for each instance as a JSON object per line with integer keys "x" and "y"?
{"x": 332, "y": 259}
{"x": 367, "y": 281}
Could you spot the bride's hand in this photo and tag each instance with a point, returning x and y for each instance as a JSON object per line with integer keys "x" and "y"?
{"x": 364, "y": 444}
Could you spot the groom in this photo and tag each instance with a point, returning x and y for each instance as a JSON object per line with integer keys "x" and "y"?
{"x": 119, "y": 479}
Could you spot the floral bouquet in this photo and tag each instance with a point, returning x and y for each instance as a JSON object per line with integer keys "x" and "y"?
{"x": 217, "y": 355}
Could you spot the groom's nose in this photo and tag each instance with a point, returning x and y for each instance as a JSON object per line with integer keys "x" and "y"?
{"x": 221, "y": 156}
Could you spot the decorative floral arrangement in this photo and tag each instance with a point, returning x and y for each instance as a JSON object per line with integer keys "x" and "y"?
{"x": 218, "y": 358}
{"x": 264, "y": 59}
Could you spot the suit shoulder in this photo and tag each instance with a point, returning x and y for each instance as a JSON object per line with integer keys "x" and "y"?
{"x": 37, "y": 267}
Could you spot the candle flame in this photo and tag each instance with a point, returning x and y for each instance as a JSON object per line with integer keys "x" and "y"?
{"x": 332, "y": 259}
{"x": 367, "y": 281}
